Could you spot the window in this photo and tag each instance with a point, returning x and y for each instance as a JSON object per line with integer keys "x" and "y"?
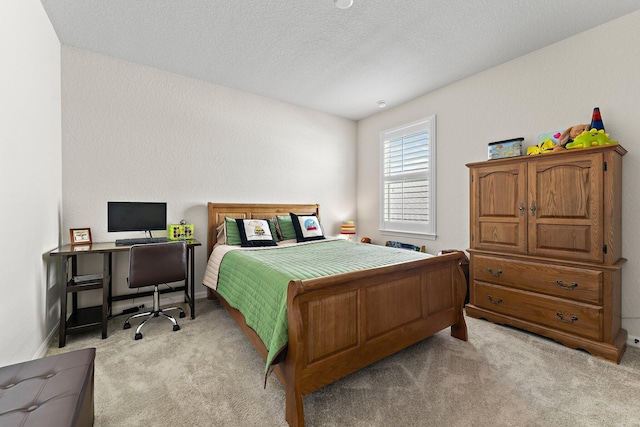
{"x": 408, "y": 178}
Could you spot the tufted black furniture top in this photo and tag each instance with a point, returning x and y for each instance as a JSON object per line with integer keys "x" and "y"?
{"x": 52, "y": 391}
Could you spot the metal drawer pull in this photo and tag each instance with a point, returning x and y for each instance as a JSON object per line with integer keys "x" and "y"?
{"x": 570, "y": 287}
{"x": 561, "y": 316}
{"x": 490, "y": 298}
{"x": 496, "y": 274}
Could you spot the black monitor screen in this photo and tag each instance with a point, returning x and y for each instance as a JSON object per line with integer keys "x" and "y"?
{"x": 136, "y": 216}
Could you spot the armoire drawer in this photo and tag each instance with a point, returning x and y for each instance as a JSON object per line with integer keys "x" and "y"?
{"x": 556, "y": 313}
{"x": 565, "y": 282}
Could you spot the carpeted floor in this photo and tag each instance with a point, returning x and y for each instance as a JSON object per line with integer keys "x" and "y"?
{"x": 207, "y": 374}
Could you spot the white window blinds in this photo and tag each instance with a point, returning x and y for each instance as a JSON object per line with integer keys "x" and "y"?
{"x": 408, "y": 178}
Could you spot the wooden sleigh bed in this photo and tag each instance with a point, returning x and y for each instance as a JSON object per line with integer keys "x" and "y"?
{"x": 339, "y": 324}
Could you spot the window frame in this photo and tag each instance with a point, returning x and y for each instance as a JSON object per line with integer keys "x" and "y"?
{"x": 417, "y": 229}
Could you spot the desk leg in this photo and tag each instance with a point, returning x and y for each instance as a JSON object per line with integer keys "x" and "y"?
{"x": 110, "y": 285}
{"x": 106, "y": 287}
{"x": 186, "y": 279}
{"x": 74, "y": 273}
{"x": 64, "y": 279}
{"x": 191, "y": 283}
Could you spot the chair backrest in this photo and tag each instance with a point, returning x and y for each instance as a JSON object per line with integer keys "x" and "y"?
{"x": 157, "y": 263}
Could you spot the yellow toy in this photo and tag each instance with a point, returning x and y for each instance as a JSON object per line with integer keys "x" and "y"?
{"x": 590, "y": 138}
{"x": 542, "y": 148}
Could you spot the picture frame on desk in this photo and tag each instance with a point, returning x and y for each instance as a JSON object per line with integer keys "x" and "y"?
{"x": 80, "y": 236}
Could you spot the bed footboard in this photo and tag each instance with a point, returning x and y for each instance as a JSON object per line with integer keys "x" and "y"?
{"x": 340, "y": 324}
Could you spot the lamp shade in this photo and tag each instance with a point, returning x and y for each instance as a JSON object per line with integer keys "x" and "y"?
{"x": 348, "y": 227}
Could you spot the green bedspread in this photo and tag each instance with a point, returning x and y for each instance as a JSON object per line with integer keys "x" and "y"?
{"x": 255, "y": 282}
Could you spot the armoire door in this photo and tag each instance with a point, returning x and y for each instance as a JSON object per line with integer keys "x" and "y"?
{"x": 498, "y": 208}
{"x": 565, "y": 207}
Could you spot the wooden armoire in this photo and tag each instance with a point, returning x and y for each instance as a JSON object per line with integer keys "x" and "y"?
{"x": 545, "y": 246}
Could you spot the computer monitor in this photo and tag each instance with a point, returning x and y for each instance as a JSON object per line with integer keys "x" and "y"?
{"x": 136, "y": 216}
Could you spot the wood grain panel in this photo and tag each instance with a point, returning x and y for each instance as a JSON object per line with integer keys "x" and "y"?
{"x": 439, "y": 295}
{"x": 504, "y": 234}
{"x": 391, "y": 305}
{"x": 501, "y": 191}
{"x": 332, "y": 325}
{"x": 563, "y": 191}
{"x": 556, "y": 237}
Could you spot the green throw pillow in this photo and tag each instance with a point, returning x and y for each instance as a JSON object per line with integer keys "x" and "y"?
{"x": 287, "y": 232}
{"x": 233, "y": 235}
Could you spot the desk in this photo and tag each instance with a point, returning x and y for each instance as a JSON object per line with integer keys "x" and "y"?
{"x": 93, "y": 317}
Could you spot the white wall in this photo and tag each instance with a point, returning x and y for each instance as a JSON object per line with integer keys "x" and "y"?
{"x": 30, "y": 178}
{"x": 548, "y": 90}
{"x": 134, "y": 133}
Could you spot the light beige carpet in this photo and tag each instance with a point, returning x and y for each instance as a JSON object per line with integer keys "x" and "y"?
{"x": 207, "y": 374}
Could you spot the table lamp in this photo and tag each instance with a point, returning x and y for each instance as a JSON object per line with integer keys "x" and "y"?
{"x": 348, "y": 228}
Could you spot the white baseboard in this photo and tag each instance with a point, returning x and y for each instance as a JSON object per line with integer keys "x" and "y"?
{"x": 42, "y": 350}
{"x": 633, "y": 341}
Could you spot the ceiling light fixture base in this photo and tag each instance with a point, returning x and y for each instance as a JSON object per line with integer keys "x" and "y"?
{"x": 343, "y": 4}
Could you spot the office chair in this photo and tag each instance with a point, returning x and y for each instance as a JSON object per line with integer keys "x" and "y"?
{"x": 153, "y": 264}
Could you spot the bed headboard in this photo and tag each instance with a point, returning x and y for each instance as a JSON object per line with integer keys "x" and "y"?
{"x": 218, "y": 211}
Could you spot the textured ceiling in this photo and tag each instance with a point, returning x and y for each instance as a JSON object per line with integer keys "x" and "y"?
{"x": 312, "y": 54}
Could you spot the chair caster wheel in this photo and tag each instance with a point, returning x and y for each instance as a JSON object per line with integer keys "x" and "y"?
{"x": 138, "y": 336}
{"x": 176, "y": 327}
{"x": 182, "y": 315}
{"x": 127, "y": 325}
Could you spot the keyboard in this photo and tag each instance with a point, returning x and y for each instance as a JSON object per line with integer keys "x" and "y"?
{"x": 141, "y": 241}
